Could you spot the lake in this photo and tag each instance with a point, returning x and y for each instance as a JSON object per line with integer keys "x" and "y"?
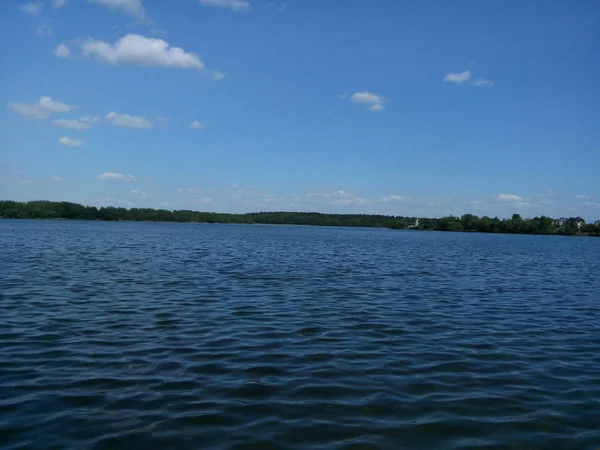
{"x": 199, "y": 336}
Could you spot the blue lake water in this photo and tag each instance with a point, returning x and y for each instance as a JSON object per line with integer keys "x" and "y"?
{"x": 196, "y": 336}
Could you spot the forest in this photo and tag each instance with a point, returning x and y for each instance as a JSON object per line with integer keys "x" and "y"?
{"x": 468, "y": 222}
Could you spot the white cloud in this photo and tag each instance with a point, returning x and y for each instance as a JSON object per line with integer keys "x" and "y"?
{"x": 509, "y": 198}
{"x": 329, "y": 193}
{"x": 134, "y": 8}
{"x": 216, "y": 76}
{"x": 59, "y": 3}
{"x": 583, "y": 197}
{"x": 32, "y": 7}
{"x": 90, "y": 119}
{"x": 138, "y": 195}
{"x": 393, "y": 198}
{"x": 40, "y": 110}
{"x": 366, "y": 97}
{"x": 350, "y": 201}
{"x": 137, "y": 50}
{"x": 524, "y": 204}
{"x": 274, "y": 4}
{"x": 82, "y": 123}
{"x": 127, "y": 120}
{"x": 57, "y": 178}
{"x": 70, "y": 142}
{"x": 458, "y": 78}
{"x": 376, "y": 108}
{"x": 234, "y": 5}
{"x": 482, "y": 82}
{"x": 45, "y": 30}
{"x": 597, "y": 205}
{"x": 196, "y": 125}
{"x": 375, "y": 102}
{"x": 113, "y": 176}
{"x": 62, "y": 51}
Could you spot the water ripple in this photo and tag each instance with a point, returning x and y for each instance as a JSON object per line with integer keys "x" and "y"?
{"x": 123, "y": 335}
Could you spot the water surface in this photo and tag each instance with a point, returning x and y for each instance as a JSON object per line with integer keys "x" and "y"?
{"x": 182, "y": 336}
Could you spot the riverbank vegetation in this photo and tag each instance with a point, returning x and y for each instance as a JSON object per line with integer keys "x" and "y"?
{"x": 467, "y": 222}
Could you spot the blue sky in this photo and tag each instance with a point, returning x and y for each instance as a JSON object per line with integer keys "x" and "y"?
{"x": 409, "y": 108}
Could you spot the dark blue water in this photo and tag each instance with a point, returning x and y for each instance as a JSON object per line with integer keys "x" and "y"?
{"x": 189, "y": 336}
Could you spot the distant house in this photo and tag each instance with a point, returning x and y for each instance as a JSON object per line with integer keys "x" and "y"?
{"x": 559, "y": 223}
{"x": 416, "y": 224}
{"x": 564, "y": 221}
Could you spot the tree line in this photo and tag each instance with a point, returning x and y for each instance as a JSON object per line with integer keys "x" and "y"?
{"x": 467, "y": 222}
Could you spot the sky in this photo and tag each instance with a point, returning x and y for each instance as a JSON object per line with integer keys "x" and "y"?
{"x": 417, "y": 108}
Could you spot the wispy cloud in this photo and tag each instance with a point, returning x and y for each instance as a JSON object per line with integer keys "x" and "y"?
{"x": 515, "y": 201}
{"x": 42, "y": 109}
{"x": 138, "y": 195}
{"x": 196, "y": 125}
{"x": 32, "y": 8}
{"x": 464, "y": 77}
{"x": 57, "y": 178}
{"x": 275, "y": 5}
{"x": 217, "y": 76}
{"x": 482, "y": 82}
{"x": 133, "y": 8}
{"x": 509, "y": 198}
{"x": 189, "y": 191}
{"x": 70, "y": 142}
{"x": 234, "y": 5}
{"x": 393, "y": 198}
{"x": 114, "y": 176}
{"x": 583, "y": 197}
{"x": 457, "y": 78}
{"x": 127, "y": 120}
{"x": 374, "y": 102}
{"x": 137, "y": 50}
{"x": 62, "y": 51}
{"x": 45, "y": 30}
{"x": 82, "y": 123}
{"x": 59, "y": 3}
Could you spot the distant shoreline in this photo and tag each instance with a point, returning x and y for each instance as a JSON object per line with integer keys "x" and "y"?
{"x": 468, "y": 223}
{"x": 298, "y": 225}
